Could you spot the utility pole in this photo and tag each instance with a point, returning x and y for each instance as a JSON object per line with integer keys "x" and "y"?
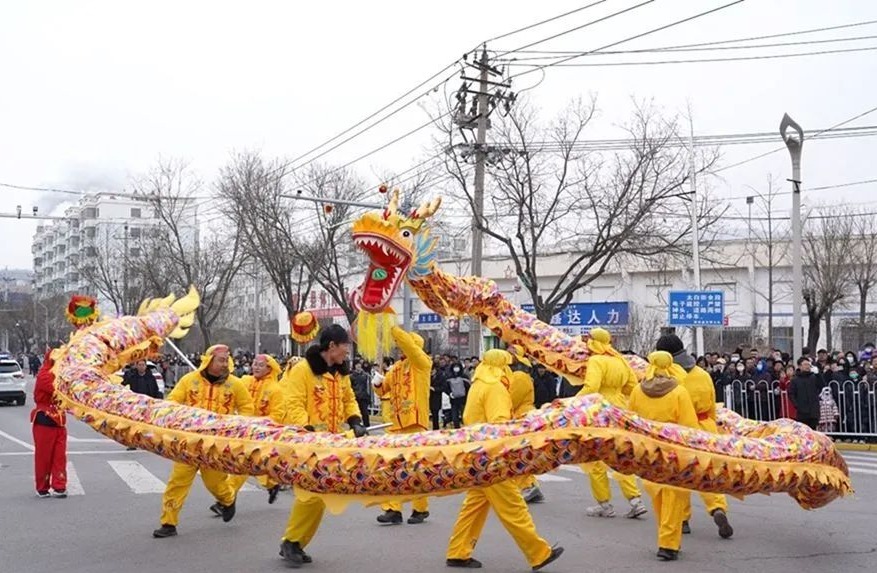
{"x": 795, "y": 145}
{"x": 695, "y": 234}
{"x": 125, "y": 260}
{"x": 475, "y": 337}
{"x": 753, "y": 289}
{"x": 257, "y": 322}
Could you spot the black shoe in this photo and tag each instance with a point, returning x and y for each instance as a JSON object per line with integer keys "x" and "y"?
{"x": 686, "y": 529}
{"x": 62, "y": 494}
{"x": 130, "y": 448}
{"x": 721, "y": 519}
{"x": 417, "y": 517}
{"x": 294, "y": 555}
{"x": 227, "y": 511}
{"x": 390, "y": 517}
{"x": 44, "y": 494}
{"x": 272, "y": 493}
{"x": 556, "y": 552}
{"x": 464, "y": 563}
{"x": 667, "y": 554}
{"x": 164, "y": 531}
{"x": 216, "y": 508}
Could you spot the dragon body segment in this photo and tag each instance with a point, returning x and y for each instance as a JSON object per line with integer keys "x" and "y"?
{"x": 780, "y": 456}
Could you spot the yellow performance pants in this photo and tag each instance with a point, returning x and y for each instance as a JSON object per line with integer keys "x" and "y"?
{"x": 506, "y": 501}
{"x": 420, "y": 504}
{"x": 237, "y": 482}
{"x": 178, "y": 485}
{"x": 598, "y": 472}
{"x": 304, "y": 520}
{"x": 712, "y": 502}
{"x": 669, "y": 506}
{"x": 525, "y": 482}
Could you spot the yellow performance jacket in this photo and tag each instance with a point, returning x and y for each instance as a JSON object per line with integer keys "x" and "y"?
{"x": 319, "y": 396}
{"x": 489, "y": 400}
{"x": 611, "y": 377}
{"x": 268, "y": 398}
{"x": 663, "y": 400}
{"x": 523, "y": 394}
{"x": 227, "y": 397}
{"x": 404, "y": 392}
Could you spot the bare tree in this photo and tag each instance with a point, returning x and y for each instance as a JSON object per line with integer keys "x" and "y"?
{"x": 863, "y": 265}
{"x": 325, "y": 243}
{"x": 110, "y": 265}
{"x": 252, "y": 190}
{"x": 177, "y": 255}
{"x": 826, "y": 244}
{"x": 551, "y": 191}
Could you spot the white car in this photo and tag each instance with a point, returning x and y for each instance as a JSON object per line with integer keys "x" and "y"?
{"x": 159, "y": 379}
{"x": 12, "y": 382}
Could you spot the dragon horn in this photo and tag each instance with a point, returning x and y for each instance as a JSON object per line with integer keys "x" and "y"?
{"x": 393, "y": 205}
{"x": 428, "y": 208}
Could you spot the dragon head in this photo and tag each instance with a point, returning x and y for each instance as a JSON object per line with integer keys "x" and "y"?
{"x": 398, "y": 247}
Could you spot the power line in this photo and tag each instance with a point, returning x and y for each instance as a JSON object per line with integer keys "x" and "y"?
{"x": 807, "y": 189}
{"x": 736, "y": 40}
{"x": 701, "y": 60}
{"x": 552, "y": 19}
{"x": 815, "y": 136}
{"x": 635, "y": 37}
{"x": 577, "y": 28}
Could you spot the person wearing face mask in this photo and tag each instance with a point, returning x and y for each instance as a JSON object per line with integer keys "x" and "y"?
{"x": 787, "y": 409}
{"x": 212, "y": 387}
{"x": 702, "y": 393}
{"x": 458, "y": 387}
{"x": 404, "y": 392}
{"x": 320, "y": 399}
{"x": 804, "y": 393}
{"x": 268, "y": 402}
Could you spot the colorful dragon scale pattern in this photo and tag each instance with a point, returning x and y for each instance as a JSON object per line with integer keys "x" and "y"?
{"x": 753, "y": 458}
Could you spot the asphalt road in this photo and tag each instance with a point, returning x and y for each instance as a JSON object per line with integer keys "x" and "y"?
{"x": 105, "y": 525}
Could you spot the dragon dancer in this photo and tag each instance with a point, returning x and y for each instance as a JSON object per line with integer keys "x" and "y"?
{"x": 212, "y": 387}
{"x": 404, "y": 392}
{"x": 49, "y": 421}
{"x": 320, "y": 399}
{"x": 523, "y": 395}
{"x": 703, "y": 394}
{"x": 268, "y": 402}
{"x": 489, "y": 402}
{"x": 609, "y": 375}
{"x": 662, "y": 399}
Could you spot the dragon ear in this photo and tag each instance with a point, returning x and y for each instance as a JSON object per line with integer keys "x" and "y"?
{"x": 428, "y": 208}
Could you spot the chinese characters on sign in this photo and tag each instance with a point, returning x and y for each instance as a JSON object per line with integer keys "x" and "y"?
{"x": 579, "y": 317}
{"x": 697, "y": 308}
{"x": 428, "y": 321}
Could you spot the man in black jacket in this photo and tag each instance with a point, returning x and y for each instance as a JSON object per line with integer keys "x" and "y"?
{"x": 362, "y": 390}
{"x": 545, "y": 386}
{"x": 141, "y": 380}
{"x": 804, "y": 393}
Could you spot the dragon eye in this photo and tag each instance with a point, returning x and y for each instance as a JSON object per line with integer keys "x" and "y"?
{"x": 406, "y": 233}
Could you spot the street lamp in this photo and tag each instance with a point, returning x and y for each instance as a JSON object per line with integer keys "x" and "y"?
{"x": 793, "y": 136}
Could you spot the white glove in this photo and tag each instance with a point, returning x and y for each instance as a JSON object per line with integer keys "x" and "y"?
{"x": 377, "y": 379}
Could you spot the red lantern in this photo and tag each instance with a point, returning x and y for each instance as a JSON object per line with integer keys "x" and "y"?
{"x": 328, "y": 209}
{"x": 383, "y": 188}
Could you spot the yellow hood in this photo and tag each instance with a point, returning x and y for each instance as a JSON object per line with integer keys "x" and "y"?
{"x": 273, "y": 366}
{"x": 208, "y": 356}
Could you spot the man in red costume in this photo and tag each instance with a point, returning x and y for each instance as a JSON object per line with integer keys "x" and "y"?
{"x": 50, "y": 421}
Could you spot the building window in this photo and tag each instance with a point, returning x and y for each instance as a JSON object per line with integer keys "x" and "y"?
{"x": 134, "y": 251}
{"x": 90, "y": 233}
{"x": 90, "y": 252}
{"x": 135, "y": 212}
{"x": 134, "y": 233}
{"x": 89, "y": 213}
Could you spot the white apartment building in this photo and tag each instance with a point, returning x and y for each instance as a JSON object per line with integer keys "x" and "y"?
{"x": 98, "y": 225}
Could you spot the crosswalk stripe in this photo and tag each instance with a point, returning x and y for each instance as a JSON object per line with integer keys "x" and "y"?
{"x": 854, "y": 458}
{"x": 138, "y": 478}
{"x": 74, "y": 486}
{"x": 862, "y": 465}
{"x": 855, "y": 470}
{"x": 571, "y": 468}
{"x": 550, "y": 477}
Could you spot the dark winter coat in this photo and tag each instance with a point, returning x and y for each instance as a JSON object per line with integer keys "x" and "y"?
{"x": 142, "y": 384}
{"x": 804, "y": 394}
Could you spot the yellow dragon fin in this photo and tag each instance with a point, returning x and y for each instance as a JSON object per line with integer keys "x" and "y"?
{"x": 185, "y": 309}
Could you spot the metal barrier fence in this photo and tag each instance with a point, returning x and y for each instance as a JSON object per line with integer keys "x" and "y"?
{"x": 764, "y": 401}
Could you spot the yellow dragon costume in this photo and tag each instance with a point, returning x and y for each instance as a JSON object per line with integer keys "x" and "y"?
{"x": 747, "y": 458}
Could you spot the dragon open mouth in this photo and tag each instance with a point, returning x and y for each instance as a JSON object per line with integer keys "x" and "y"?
{"x": 386, "y": 270}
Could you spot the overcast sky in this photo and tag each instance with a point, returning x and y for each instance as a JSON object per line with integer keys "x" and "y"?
{"x": 94, "y": 92}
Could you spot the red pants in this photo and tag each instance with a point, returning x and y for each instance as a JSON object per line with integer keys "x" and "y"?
{"x": 50, "y": 457}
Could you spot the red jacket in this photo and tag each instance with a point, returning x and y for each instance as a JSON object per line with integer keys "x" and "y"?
{"x": 44, "y": 393}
